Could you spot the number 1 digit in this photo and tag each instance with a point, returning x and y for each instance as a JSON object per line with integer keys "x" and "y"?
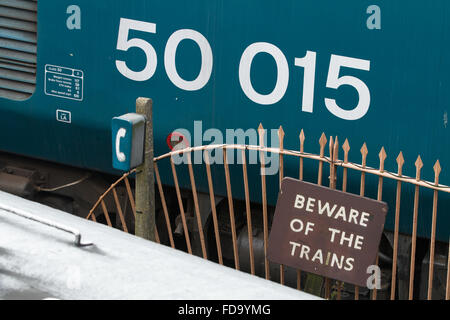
{"x": 308, "y": 62}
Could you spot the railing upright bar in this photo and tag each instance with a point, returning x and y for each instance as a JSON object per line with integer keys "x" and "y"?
{"x": 346, "y": 148}
{"x": 231, "y": 209}
{"x": 332, "y": 185}
{"x": 248, "y": 212}
{"x": 400, "y": 162}
{"x": 334, "y": 177}
{"x": 419, "y": 165}
{"x": 196, "y": 206}
{"x": 382, "y": 156}
{"x": 281, "y": 174}
{"x": 213, "y": 207}
{"x": 447, "y": 291}
{"x": 119, "y": 210}
{"x": 164, "y": 204}
{"x": 302, "y": 148}
{"x": 364, "y": 152}
{"x": 130, "y": 196}
{"x": 180, "y": 204}
{"x": 322, "y": 143}
{"x": 437, "y": 171}
{"x": 157, "y": 239}
{"x": 105, "y": 212}
{"x": 264, "y": 201}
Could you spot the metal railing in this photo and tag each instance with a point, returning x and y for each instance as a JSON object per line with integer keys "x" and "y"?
{"x": 332, "y": 160}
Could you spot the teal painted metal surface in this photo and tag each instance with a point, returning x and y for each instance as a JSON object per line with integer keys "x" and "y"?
{"x": 403, "y": 66}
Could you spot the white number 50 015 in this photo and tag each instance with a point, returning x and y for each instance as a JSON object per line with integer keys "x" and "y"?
{"x": 308, "y": 62}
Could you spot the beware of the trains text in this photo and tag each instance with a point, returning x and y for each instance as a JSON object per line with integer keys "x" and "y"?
{"x": 324, "y": 231}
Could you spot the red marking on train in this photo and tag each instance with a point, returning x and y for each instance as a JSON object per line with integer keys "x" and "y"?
{"x": 176, "y": 138}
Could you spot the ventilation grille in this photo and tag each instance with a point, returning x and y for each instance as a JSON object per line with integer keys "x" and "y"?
{"x": 18, "y": 42}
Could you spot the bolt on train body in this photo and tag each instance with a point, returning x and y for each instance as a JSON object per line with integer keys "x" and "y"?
{"x": 369, "y": 72}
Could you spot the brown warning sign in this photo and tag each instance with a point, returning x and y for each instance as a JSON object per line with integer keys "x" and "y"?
{"x": 326, "y": 232}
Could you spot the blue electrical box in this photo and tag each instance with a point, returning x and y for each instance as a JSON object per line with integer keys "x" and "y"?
{"x": 128, "y": 133}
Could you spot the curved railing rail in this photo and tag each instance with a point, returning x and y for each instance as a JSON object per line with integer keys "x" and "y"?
{"x": 332, "y": 160}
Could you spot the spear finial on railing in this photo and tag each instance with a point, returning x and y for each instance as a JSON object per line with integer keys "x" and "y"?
{"x": 302, "y": 140}
{"x": 322, "y": 143}
{"x": 281, "y": 136}
{"x": 364, "y": 153}
{"x": 302, "y": 146}
{"x": 437, "y": 171}
{"x": 346, "y": 148}
{"x": 419, "y": 165}
{"x": 281, "y": 140}
{"x": 261, "y": 135}
{"x": 382, "y": 155}
{"x": 336, "y": 149}
{"x": 330, "y": 148}
{"x": 400, "y": 162}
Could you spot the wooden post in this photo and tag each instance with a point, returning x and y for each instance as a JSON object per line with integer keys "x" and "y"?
{"x": 145, "y": 179}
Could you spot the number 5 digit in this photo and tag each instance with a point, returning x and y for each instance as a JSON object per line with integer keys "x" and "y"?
{"x": 124, "y": 44}
{"x": 334, "y": 82}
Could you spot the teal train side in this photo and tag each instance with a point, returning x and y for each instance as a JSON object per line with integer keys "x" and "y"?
{"x": 369, "y": 71}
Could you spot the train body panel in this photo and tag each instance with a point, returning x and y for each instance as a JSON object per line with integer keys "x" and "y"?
{"x": 374, "y": 74}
